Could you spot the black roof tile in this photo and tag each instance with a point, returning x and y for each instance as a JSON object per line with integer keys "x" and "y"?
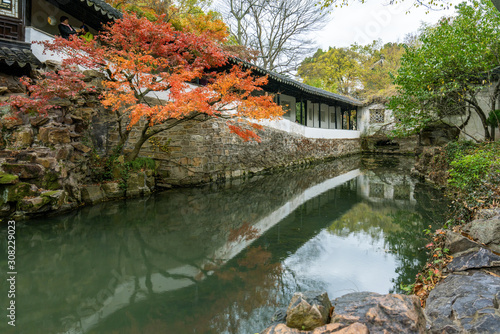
{"x": 13, "y": 56}
{"x": 104, "y": 8}
{"x": 298, "y": 85}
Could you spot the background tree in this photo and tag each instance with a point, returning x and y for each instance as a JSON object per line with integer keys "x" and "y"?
{"x": 278, "y": 29}
{"x": 379, "y": 63}
{"x": 452, "y": 67}
{"x": 139, "y": 57}
{"x": 361, "y": 71}
{"x": 336, "y": 70}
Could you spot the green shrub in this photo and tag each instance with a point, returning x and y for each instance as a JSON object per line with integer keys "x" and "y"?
{"x": 459, "y": 148}
{"x": 469, "y": 171}
{"x": 142, "y": 163}
{"x": 494, "y": 118}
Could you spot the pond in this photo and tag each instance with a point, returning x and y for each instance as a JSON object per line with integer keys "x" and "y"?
{"x": 222, "y": 258}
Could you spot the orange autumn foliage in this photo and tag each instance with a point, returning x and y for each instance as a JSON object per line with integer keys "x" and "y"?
{"x": 140, "y": 57}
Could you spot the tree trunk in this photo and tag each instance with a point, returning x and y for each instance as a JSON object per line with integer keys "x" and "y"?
{"x": 137, "y": 148}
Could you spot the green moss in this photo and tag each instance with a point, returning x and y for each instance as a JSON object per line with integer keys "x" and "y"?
{"x": 29, "y": 206}
{"x": 18, "y": 191}
{"x": 8, "y": 178}
{"x": 49, "y": 193}
{"x": 51, "y": 181}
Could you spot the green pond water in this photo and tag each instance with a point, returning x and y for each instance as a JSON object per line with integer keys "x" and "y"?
{"x": 221, "y": 258}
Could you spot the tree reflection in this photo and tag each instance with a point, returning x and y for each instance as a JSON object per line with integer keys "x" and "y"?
{"x": 401, "y": 230}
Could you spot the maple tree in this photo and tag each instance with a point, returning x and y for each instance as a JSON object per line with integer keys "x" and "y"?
{"x": 141, "y": 59}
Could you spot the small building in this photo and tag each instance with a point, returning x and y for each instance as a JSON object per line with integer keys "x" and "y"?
{"x": 310, "y": 106}
{"x": 23, "y": 22}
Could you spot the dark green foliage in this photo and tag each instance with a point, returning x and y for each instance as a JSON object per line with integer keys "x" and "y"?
{"x": 141, "y": 163}
{"x": 458, "y": 148}
{"x": 494, "y": 118}
{"x": 474, "y": 177}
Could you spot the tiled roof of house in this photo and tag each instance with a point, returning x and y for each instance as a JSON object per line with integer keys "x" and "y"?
{"x": 20, "y": 57}
{"x": 298, "y": 85}
{"x": 104, "y": 8}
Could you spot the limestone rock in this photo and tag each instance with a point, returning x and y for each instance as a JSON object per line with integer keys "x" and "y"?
{"x": 24, "y": 171}
{"x": 487, "y": 231}
{"x": 39, "y": 121}
{"x": 53, "y": 135}
{"x": 26, "y": 156}
{"x": 457, "y": 243}
{"x": 81, "y": 147}
{"x": 62, "y": 102}
{"x": 483, "y": 258}
{"x": 23, "y": 138}
{"x": 56, "y": 197}
{"x": 137, "y": 185}
{"x": 92, "y": 74}
{"x": 92, "y": 194}
{"x": 308, "y": 310}
{"x": 487, "y": 213}
{"x": 391, "y": 313}
{"x": 18, "y": 191}
{"x": 64, "y": 152}
{"x": 465, "y": 304}
{"x": 35, "y": 204}
{"x": 355, "y": 328}
{"x": 113, "y": 190}
{"x": 47, "y": 162}
{"x": 59, "y": 136}
{"x": 9, "y": 122}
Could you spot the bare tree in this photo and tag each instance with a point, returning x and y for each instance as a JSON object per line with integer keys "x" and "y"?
{"x": 280, "y": 30}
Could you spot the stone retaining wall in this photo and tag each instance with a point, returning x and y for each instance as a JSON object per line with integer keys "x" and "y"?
{"x": 203, "y": 152}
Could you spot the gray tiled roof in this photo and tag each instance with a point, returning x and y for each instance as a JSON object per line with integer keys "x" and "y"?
{"x": 13, "y": 56}
{"x": 298, "y": 85}
{"x": 104, "y": 8}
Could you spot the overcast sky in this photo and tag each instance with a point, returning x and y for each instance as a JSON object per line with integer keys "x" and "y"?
{"x": 363, "y": 23}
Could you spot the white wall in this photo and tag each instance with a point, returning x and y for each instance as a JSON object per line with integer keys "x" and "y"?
{"x": 368, "y": 128}
{"x": 474, "y": 129}
{"x": 310, "y": 132}
{"x": 34, "y": 35}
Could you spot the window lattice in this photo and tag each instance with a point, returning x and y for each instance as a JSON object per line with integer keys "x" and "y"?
{"x": 377, "y": 190}
{"x": 377, "y": 115}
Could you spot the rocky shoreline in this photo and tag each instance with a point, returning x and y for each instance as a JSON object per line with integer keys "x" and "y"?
{"x": 465, "y": 301}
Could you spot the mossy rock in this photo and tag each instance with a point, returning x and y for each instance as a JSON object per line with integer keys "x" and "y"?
{"x": 8, "y": 178}
{"x": 18, "y": 191}
{"x": 56, "y": 197}
{"x": 33, "y": 204}
{"x": 51, "y": 181}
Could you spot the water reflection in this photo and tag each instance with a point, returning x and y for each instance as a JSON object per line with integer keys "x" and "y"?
{"x": 221, "y": 259}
